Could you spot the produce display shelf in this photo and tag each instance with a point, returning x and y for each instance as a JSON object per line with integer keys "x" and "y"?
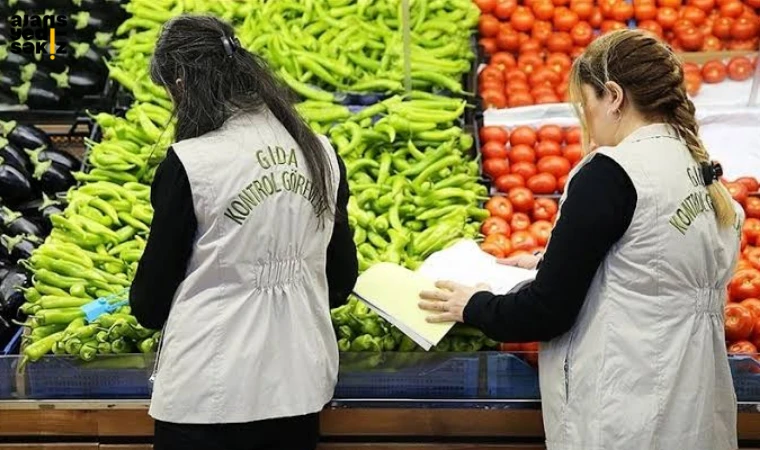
{"x": 103, "y": 101}
{"x": 436, "y": 379}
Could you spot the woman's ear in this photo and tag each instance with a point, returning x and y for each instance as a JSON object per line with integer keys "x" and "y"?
{"x": 616, "y": 94}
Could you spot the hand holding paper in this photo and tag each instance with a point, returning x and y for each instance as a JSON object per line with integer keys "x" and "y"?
{"x": 448, "y": 301}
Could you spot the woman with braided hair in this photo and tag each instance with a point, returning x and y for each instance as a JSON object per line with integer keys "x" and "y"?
{"x": 628, "y": 299}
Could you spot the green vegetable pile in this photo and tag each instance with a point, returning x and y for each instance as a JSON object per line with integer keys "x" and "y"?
{"x": 361, "y": 330}
{"x": 414, "y": 186}
{"x": 357, "y": 45}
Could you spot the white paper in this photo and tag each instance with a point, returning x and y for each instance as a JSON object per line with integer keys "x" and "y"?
{"x": 465, "y": 263}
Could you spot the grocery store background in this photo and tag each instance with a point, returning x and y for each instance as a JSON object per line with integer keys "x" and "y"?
{"x": 452, "y": 119}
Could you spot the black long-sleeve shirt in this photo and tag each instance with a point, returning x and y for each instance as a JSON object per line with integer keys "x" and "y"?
{"x": 599, "y": 207}
{"x": 170, "y": 245}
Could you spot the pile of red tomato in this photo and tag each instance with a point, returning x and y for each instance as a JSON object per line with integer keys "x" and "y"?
{"x": 739, "y": 68}
{"x": 529, "y": 79}
{"x": 742, "y": 313}
{"x": 701, "y": 25}
{"x": 537, "y": 160}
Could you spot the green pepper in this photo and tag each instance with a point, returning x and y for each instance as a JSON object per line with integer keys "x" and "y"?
{"x": 360, "y": 235}
{"x": 344, "y": 331}
{"x": 54, "y": 302}
{"x": 366, "y": 343}
{"x": 88, "y": 351}
{"x": 37, "y": 350}
{"x": 344, "y": 345}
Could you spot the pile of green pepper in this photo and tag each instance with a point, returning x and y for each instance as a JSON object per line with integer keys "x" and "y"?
{"x": 414, "y": 187}
{"x": 357, "y": 45}
{"x": 360, "y": 329}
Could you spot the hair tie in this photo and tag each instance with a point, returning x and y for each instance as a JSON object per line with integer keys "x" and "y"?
{"x": 231, "y": 44}
{"x": 711, "y": 172}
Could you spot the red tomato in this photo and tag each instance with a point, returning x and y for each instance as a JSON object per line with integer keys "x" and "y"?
{"x": 555, "y": 165}
{"x": 543, "y": 9}
{"x": 753, "y": 257}
{"x": 521, "y": 98}
{"x": 738, "y": 322}
{"x": 732, "y": 9}
{"x": 500, "y": 241}
{"x": 745, "y": 45}
{"x": 544, "y": 76}
{"x": 488, "y": 44}
{"x": 561, "y": 42}
{"x": 511, "y": 180}
{"x": 541, "y": 230}
{"x": 645, "y": 11}
{"x": 565, "y": 20}
{"x": 582, "y": 34}
{"x": 573, "y": 153}
{"x": 544, "y": 209}
{"x": 503, "y": 61}
{"x": 548, "y": 148}
{"x": 522, "y": 153}
{"x": 690, "y": 67}
{"x": 705, "y": 5}
{"x": 514, "y": 76}
{"x": 693, "y": 82}
{"x": 622, "y": 12}
{"x": 722, "y": 27}
{"x": 559, "y": 62}
{"x": 491, "y": 73}
{"x": 742, "y": 348}
{"x": 488, "y": 25}
{"x": 547, "y": 98}
{"x": 505, "y": 8}
{"x": 486, "y": 6}
{"x": 495, "y": 168}
{"x": 714, "y": 72}
{"x": 751, "y": 228}
{"x": 740, "y": 69}
{"x": 750, "y": 183}
{"x": 530, "y": 353}
{"x": 561, "y": 182}
{"x": 522, "y": 199}
{"x": 523, "y": 240}
{"x": 520, "y": 222}
{"x": 583, "y": 8}
{"x": 752, "y": 207}
{"x": 744, "y": 28}
{"x": 493, "y": 150}
{"x": 712, "y": 43}
{"x": 745, "y": 284}
{"x": 691, "y": 39}
{"x": 523, "y": 135}
{"x": 541, "y": 31}
{"x": 693, "y": 15}
{"x": 495, "y": 225}
{"x": 522, "y": 19}
{"x": 524, "y": 169}
{"x": 508, "y": 40}
{"x": 493, "y": 249}
{"x": 550, "y": 133}
{"x": 753, "y": 306}
{"x": 652, "y": 27}
{"x": 573, "y": 136}
{"x": 669, "y": 3}
{"x": 529, "y": 63}
{"x": 494, "y": 134}
{"x": 738, "y": 192}
{"x": 499, "y": 206}
{"x": 542, "y": 184}
{"x": 667, "y": 17}
{"x": 493, "y": 98}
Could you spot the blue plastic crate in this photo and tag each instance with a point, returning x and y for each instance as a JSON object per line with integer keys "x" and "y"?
{"x": 8, "y": 366}
{"x": 408, "y": 375}
{"x": 108, "y": 377}
{"x": 745, "y": 371}
{"x": 509, "y": 377}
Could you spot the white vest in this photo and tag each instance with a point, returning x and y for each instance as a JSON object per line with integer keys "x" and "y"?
{"x": 249, "y": 335}
{"x": 645, "y": 366}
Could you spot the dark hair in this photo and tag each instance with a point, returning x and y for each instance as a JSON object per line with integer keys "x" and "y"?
{"x": 218, "y": 78}
{"x": 653, "y": 80}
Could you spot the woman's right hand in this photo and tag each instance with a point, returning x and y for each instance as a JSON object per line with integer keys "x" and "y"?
{"x": 522, "y": 261}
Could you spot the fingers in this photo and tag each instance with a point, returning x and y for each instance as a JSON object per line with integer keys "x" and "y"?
{"x": 441, "y": 318}
{"x": 433, "y": 306}
{"x": 448, "y": 285}
{"x": 482, "y": 287}
{"x": 512, "y": 261}
{"x": 434, "y": 295}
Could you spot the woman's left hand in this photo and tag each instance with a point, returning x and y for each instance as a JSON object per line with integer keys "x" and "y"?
{"x": 449, "y": 301}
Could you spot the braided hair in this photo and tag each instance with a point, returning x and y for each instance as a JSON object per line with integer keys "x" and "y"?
{"x": 653, "y": 79}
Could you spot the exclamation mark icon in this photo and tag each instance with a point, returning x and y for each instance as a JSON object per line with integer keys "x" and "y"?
{"x": 52, "y": 43}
